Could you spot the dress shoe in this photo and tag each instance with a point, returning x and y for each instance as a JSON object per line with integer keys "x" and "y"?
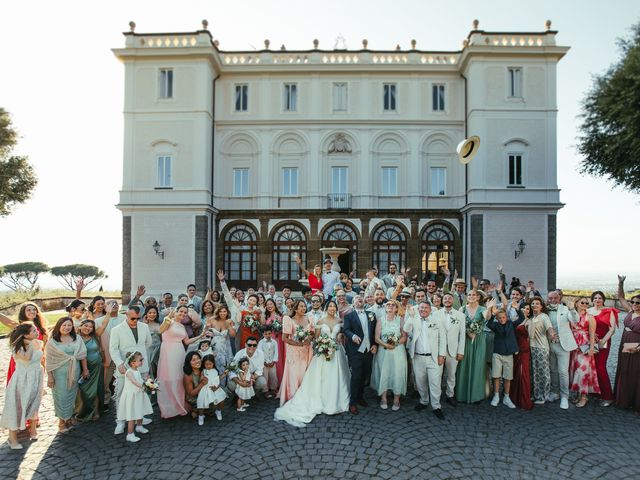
{"x": 353, "y": 410}
{"x": 438, "y": 413}
{"x": 419, "y": 407}
{"x": 452, "y": 401}
{"x": 363, "y": 403}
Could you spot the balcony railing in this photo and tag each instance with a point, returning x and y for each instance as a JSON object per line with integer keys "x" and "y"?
{"x": 339, "y": 200}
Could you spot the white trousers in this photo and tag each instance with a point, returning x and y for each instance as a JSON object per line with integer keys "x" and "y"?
{"x": 450, "y": 367}
{"x": 428, "y": 380}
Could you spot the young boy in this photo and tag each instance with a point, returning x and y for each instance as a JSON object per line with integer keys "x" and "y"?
{"x": 505, "y": 346}
{"x": 270, "y": 349}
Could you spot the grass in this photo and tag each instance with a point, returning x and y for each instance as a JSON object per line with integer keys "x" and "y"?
{"x": 8, "y": 299}
{"x": 52, "y": 318}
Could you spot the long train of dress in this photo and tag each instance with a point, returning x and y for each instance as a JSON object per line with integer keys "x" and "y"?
{"x": 324, "y": 388}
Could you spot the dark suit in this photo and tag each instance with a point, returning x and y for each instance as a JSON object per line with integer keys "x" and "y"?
{"x": 360, "y": 362}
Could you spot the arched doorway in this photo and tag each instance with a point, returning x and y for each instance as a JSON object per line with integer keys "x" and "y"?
{"x": 344, "y": 236}
{"x": 240, "y": 249}
{"x": 438, "y": 250}
{"x": 289, "y": 241}
{"x": 389, "y": 246}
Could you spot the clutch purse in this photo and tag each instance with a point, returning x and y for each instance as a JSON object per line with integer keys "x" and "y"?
{"x": 585, "y": 348}
{"x": 630, "y": 347}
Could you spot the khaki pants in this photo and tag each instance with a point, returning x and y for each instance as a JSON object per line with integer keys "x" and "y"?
{"x": 271, "y": 377}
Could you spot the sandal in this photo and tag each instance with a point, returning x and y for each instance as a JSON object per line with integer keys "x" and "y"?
{"x": 582, "y": 403}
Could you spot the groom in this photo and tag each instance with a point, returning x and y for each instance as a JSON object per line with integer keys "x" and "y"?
{"x": 359, "y": 330}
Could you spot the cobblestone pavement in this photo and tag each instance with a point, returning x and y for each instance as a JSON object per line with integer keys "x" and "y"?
{"x": 474, "y": 441}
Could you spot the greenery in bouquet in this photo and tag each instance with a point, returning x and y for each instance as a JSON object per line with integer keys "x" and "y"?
{"x": 325, "y": 346}
{"x": 150, "y": 386}
{"x": 300, "y": 334}
{"x": 251, "y": 322}
{"x": 391, "y": 339}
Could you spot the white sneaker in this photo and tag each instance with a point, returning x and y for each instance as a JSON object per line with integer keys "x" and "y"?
{"x": 141, "y": 429}
{"x": 219, "y": 415}
{"x": 552, "y": 397}
{"x": 119, "y": 428}
{"x": 564, "y": 403}
{"x": 507, "y": 401}
{"x": 200, "y": 420}
{"x": 495, "y": 401}
{"x": 131, "y": 437}
{"x": 539, "y": 402}
{"x": 146, "y": 421}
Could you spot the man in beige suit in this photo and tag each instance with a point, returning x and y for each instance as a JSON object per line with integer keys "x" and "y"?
{"x": 454, "y": 327}
{"x": 426, "y": 350}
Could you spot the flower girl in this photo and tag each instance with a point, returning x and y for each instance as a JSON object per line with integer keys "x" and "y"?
{"x": 244, "y": 384}
{"x": 212, "y": 392}
{"x": 134, "y": 403}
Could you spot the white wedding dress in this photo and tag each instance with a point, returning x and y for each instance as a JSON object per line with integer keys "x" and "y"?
{"x": 324, "y": 388}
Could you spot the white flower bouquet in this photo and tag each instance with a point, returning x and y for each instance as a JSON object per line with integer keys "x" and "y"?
{"x": 301, "y": 334}
{"x": 325, "y": 346}
{"x": 150, "y": 386}
{"x": 251, "y": 322}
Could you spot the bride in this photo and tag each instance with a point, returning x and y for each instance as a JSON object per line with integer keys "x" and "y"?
{"x": 325, "y": 386}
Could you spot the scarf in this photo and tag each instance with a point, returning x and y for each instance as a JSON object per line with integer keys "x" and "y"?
{"x": 57, "y": 358}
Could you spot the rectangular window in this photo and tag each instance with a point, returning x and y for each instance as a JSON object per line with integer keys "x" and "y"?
{"x": 240, "y": 182}
{"x": 290, "y": 181}
{"x": 339, "y": 97}
{"x": 339, "y": 180}
{"x": 290, "y": 97}
{"x": 438, "y": 181}
{"x": 515, "y": 82}
{"x": 389, "y": 181}
{"x": 165, "y": 176}
{"x": 166, "y": 83}
{"x": 515, "y": 170}
{"x": 438, "y": 98}
{"x": 242, "y": 98}
{"x": 389, "y": 101}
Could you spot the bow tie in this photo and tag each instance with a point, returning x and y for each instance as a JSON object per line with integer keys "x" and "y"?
{"x": 552, "y": 308}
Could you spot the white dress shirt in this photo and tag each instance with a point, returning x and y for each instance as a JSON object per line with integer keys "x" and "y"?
{"x": 256, "y": 363}
{"x": 365, "y": 344}
{"x": 270, "y": 350}
{"x": 423, "y": 345}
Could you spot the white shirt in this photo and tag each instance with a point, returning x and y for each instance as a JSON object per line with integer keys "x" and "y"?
{"x": 329, "y": 280}
{"x": 423, "y": 345}
{"x": 256, "y": 363}
{"x": 315, "y": 314}
{"x": 270, "y": 350}
{"x": 447, "y": 317}
{"x": 365, "y": 345}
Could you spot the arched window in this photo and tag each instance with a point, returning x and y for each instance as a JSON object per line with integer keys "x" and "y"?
{"x": 240, "y": 248}
{"x": 438, "y": 249}
{"x": 289, "y": 241}
{"x": 389, "y": 246}
{"x": 344, "y": 236}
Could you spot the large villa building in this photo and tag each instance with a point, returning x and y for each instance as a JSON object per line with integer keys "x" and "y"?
{"x": 242, "y": 160}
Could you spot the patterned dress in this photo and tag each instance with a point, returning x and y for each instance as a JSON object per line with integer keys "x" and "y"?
{"x": 539, "y": 346}
{"x": 582, "y": 369}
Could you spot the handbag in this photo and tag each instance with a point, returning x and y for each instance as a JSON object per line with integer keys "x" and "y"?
{"x": 630, "y": 347}
{"x": 585, "y": 348}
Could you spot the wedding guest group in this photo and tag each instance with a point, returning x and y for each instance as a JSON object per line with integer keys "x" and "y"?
{"x": 325, "y": 351}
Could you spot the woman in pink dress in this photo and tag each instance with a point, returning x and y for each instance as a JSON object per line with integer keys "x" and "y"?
{"x": 582, "y": 368}
{"x": 171, "y": 399}
{"x": 272, "y": 314}
{"x": 606, "y": 321}
{"x": 298, "y": 352}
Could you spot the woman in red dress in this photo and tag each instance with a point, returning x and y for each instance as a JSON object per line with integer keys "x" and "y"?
{"x": 521, "y": 384}
{"x": 315, "y": 278}
{"x": 606, "y": 321}
{"x": 582, "y": 367}
{"x": 273, "y": 318}
{"x": 250, "y": 320}
{"x": 29, "y": 312}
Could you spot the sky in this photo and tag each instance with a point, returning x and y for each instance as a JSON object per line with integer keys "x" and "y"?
{"x": 64, "y": 89}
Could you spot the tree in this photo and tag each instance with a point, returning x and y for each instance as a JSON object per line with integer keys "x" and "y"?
{"x": 78, "y": 277}
{"x": 22, "y": 276}
{"x": 17, "y": 177}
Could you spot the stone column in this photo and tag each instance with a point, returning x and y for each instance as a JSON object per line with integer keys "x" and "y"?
{"x": 313, "y": 245}
{"x": 264, "y": 254}
{"x": 364, "y": 249}
{"x": 414, "y": 249}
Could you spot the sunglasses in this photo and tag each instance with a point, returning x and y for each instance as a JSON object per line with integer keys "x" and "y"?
{"x": 587, "y": 303}
{"x": 633, "y": 302}
{"x": 252, "y": 345}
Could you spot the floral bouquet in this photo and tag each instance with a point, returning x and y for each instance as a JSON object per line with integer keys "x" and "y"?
{"x": 276, "y": 325}
{"x": 251, "y": 322}
{"x": 301, "y": 334}
{"x": 391, "y": 339}
{"x": 233, "y": 367}
{"x": 150, "y": 386}
{"x": 325, "y": 346}
{"x": 475, "y": 328}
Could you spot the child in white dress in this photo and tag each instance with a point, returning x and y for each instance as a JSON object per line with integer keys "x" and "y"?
{"x": 212, "y": 391}
{"x": 244, "y": 385}
{"x": 133, "y": 403}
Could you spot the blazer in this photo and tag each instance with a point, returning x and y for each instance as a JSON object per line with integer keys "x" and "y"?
{"x": 455, "y": 332}
{"x": 122, "y": 341}
{"x": 564, "y": 316}
{"x": 505, "y": 342}
{"x": 413, "y": 326}
{"x": 352, "y": 326}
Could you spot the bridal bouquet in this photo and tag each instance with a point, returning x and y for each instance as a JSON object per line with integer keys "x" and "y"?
{"x": 250, "y": 321}
{"x": 391, "y": 339}
{"x": 325, "y": 346}
{"x": 150, "y": 386}
{"x": 301, "y": 334}
{"x": 276, "y": 325}
{"x": 233, "y": 367}
{"x": 475, "y": 328}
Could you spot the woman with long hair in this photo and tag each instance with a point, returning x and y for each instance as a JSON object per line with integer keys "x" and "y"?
{"x": 77, "y": 311}
{"x": 221, "y": 330}
{"x": 582, "y": 368}
{"x": 91, "y": 390}
{"x": 627, "y": 386}
{"x": 606, "y": 320}
{"x": 65, "y": 353}
{"x": 540, "y": 329}
{"x": 471, "y": 375}
{"x": 273, "y": 318}
{"x": 298, "y": 349}
{"x": 521, "y": 384}
{"x": 24, "y": 392}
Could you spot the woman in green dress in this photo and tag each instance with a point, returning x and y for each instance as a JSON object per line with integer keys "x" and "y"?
{"x": 90, "y": 397}
{"x": 471, "y": 373}
{"x": 65, "y": 353}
